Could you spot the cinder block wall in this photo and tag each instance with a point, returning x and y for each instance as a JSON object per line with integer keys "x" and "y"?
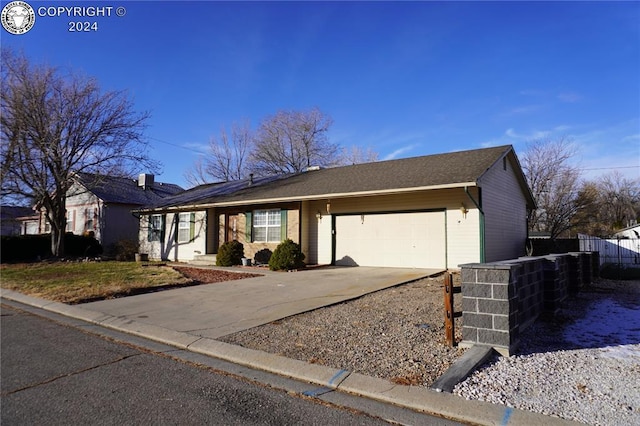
{"x": 502, "y": 299}
{"x": 556, "y": 281}
{"x": 490, "y": 305}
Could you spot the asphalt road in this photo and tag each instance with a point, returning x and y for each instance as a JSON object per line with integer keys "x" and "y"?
{"x": 58, "y": 371}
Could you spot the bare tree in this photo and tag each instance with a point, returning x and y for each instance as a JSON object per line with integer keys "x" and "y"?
{"x": 287, "y": 142}
{"x": 619, "y": 200}
{"x": 227, "y": 158}
{"x": 554, "y": 184}
{"x": 357, "y": 155}
{"x": 291, "y": 141}
{"x": 613, "y": 203}
{"x": 589, "y": 219}
{"x": 55, "y": 124}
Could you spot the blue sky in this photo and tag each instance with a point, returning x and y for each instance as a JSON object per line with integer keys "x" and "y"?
{"x": 402, "y": 78}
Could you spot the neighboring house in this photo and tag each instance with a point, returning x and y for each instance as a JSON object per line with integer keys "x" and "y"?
{"x": 629, "y": 232}
{"x": 103, "y": 204}
{"x": 436, "y": 211}
{"x": 13, "y": 220}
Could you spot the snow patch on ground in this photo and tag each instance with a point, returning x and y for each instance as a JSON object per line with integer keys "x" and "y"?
{"x": 606, "y": 323}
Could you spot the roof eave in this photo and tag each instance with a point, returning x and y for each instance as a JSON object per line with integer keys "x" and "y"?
{"x": 324, "y": 196}
{"x": 520, "y": 176}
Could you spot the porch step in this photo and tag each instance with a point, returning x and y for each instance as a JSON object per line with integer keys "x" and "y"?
{"x": 204, "y": 260}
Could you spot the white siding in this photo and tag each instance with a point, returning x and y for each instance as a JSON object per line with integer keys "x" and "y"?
{"x": 78, "y": 201}
{"x": 505, "y": 210}
{"x": 169, "y": 248}
{"x": 111, "y": 222}
{"x": 319, "y": 233}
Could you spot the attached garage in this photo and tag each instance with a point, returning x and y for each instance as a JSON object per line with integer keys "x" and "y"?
{"x": 436, "y": 211}
{"x": 407, "y": 240}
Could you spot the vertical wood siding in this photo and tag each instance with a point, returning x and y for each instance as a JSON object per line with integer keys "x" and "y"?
{"x": 505, "y": 211}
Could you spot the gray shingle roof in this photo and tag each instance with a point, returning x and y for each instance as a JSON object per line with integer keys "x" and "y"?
{"x": 213, "y": 191}
{"x": 123, "y": 190}
{"x": 440, "y": 170}
{"x": 12, "y": 212}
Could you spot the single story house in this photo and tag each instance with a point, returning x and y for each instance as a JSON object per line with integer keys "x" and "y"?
{"x": 103, "y": 205}
{"x": 435, "y": 211}
{"x": 13, "y": 220}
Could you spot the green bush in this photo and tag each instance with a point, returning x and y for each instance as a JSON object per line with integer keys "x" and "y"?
{"x": 262, "y": 257}
{"x": 24, "y": 248}
{"x": 230, "y": 253}
{"x": 28, "y": 248}
{"x": 82, "y": 245}
{"x": 286, "y": 256}
{"x": 124, "y": 250}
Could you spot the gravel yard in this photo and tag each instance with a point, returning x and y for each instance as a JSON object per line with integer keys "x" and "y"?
{"x": 395, "y": 334}
{"x": 583, "y": 364}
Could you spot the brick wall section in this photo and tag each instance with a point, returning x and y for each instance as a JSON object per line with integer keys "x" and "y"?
{"x": 529, "y": 291}
{"x": 556, "y": 281}
{"x": 490, "y": 304}
{"x": 501, "y": 299}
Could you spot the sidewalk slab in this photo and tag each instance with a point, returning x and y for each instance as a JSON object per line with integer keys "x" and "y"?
{"x": 186, "y": 318}
{"x": 417, "y": 398}
{"x": 216, "y": 310}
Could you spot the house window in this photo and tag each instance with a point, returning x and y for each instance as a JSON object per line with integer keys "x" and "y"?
{"x": 155, "y": 228}
{"x": 70, "y": 216}
{"x": 89, "y": 216}
{"x": 266, "y": 226}
{"x": 184, "y": 227}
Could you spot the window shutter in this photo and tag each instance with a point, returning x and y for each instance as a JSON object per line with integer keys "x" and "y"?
{"x": 248, "y": 228}
{"x": 192, "y": 226}
{"x": 163, "y": 225}
{"x": 283, "y": 225}
{"x": 149, "y": 229}
{"x": 176, "y": 221}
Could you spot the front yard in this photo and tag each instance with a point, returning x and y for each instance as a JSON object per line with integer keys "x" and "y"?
{"x": 78, "y": 282}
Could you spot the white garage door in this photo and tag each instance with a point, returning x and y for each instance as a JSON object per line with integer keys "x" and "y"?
{"x": 408, "y": 240}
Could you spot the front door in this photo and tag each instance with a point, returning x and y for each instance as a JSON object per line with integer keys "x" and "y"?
{"x": 232, "y": 227}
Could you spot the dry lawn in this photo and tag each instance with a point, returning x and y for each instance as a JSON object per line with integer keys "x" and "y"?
{"x": 78, "y": 282}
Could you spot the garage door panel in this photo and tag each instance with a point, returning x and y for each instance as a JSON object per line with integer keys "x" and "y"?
{"x": 395, "y": 240}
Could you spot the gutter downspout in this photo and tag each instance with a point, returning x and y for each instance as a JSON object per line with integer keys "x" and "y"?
{"x": 475, "y": 203}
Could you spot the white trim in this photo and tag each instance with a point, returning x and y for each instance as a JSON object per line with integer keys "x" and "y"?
{"x": 184, "y": 225}
{"x": 315, "y": 197}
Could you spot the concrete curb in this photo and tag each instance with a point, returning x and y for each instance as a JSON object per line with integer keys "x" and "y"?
{"x": 471, "y": 360}
{"x": 416, "y": 398}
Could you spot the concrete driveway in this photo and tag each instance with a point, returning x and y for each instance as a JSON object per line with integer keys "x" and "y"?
{"x": 215, "y": 310}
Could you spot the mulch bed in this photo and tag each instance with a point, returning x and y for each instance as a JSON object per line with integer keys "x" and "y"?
{"x": 211, "y": 276}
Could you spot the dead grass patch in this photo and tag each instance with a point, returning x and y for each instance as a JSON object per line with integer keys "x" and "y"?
{"x": 76, "y": 282}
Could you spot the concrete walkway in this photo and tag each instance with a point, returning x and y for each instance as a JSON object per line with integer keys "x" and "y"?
{"x": 216, "y": 310}
{"x": 191, "y": 318}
